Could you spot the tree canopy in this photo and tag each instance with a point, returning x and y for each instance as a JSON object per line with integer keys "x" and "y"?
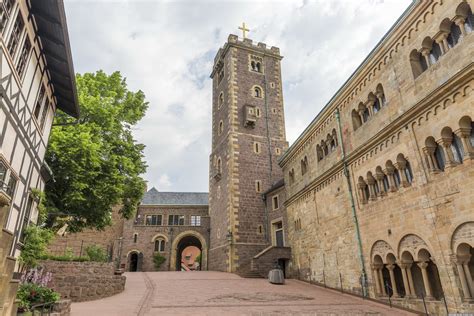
{"x": 96, "y": 163}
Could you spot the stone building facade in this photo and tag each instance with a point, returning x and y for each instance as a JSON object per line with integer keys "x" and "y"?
{"x": 248, "y": 136}
{"x": 166, "y": 223}
{"x": 36, "y": 79}
{"x": 380, "y": 185}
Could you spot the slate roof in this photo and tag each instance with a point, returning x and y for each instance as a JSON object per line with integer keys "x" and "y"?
{"x": 154, "y": 197}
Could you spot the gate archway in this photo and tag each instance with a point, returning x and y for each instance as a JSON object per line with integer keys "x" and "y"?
{"x": 183, "y": 240}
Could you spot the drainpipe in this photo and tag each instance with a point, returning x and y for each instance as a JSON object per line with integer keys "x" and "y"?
{"x": 354, "y": 214}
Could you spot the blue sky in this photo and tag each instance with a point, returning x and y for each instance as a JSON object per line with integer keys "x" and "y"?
{"x": 166, "y": 49}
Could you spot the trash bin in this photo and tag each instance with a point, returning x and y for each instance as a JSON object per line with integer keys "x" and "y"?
{"x": 275, "y": 276}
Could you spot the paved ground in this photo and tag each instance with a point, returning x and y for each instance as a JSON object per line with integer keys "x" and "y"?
{"x": 218, "y": 293}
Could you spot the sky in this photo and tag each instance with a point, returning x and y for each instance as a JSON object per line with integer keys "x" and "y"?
{"x": 166, "y": 49}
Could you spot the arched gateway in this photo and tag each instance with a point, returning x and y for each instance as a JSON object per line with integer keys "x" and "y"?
{"x": 183, "y": 240}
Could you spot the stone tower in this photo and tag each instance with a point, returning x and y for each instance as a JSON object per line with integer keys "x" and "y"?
{"x": 248, "y": 136}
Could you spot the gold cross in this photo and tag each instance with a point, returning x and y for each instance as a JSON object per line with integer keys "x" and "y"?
{"x": 244, "y": 29}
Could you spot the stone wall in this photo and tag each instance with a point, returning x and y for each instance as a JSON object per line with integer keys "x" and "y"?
{"x": 84, "y": 281}
{"x": 140, "y": 238}
{"x": 78, "y": 242}
{"x": 415, "y": 227}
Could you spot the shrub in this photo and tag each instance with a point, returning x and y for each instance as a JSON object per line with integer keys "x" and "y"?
{"x": 96, "y": 253}
{"x": 34, "y": 248}
{"x": 30, "y": 294}
{"x": 158, "y": 260}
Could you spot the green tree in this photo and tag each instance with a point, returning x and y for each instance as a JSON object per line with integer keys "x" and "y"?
{"x": 96, "y": 163}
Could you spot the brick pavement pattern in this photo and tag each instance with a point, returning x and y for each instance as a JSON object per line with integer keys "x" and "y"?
{"x": 220, "y": 293}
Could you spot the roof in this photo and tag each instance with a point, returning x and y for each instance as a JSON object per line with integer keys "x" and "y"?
{"x": 52, "y": 30}
{"x": 154, "y": 197}
{"x": 275, "y": 186}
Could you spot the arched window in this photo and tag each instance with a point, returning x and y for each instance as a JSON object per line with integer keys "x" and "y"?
{"x": 356, "y": 122}
{"x": 471, "y": 136}
{"x": 324, "y": 146}
{"x": 366, "y": 115}
{"x": 418, "y": 63}
{"x": 291, "y": 175}
{"x": 439, "y": 156}
{"x": 319, "y": 153}
{"x": 469, "y": 22}
{"x": 304, "y": 165}
{"x": 257, "y": 92}
{"x": 334, "y": 136}
{"x": 253, "y": 65}
{"x": 221, "y": 100}
{"x": 457, "y": 149}
{"x": 135, "y": 237}
{"x": 376, "y": 105}
{"x": 408, "y": 172}
{"x": 435, "y": 52}
{"x": 333, "y": 144}
{"x": 381, "y": 95}
{"x": 258, "y": 67}
{"x": 366, "y": 192}
{"x": 454, "y": 35}
{"x": 160, "y": 245}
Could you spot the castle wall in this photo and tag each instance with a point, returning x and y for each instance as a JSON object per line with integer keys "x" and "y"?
{"x": 415, "y": 219}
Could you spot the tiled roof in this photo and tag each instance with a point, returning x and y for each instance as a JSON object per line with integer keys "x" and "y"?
{"x": 154, "y": 197}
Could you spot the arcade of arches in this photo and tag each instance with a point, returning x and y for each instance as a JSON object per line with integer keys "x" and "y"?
{"x": 411, "y": 271}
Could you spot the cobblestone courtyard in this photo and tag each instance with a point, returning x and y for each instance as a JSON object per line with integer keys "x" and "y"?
{"x": 217, "y": 293}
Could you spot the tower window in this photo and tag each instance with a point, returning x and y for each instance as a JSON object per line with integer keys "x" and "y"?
{"x": 256, "y": 64}
{"x": 275, "y": 202}
{"x": 257, "y": 92}
{"x": 258, "y": 186}
{"x": 220, "y": 102}
{"x": 135, "y": 237}
{"x": 221, "y": 128}
{"x": 256, "y": 147}
{"x": 257, "y": 112}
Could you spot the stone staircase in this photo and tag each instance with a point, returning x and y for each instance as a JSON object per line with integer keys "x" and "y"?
{"x": 245, "y": 271}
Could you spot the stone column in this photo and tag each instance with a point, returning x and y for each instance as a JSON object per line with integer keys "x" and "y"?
{"x": 361, "y": 187}
{"x": 440, "y": 42}
{"x": 430, "y": 158}
{"x": 390, "y": 268}
{"x": 371, "y": 184}
{"x": 426, "y": 281}
{"x": 384, "y": 291}
{"x": 462, "y": 278}
{"x": 464, "y": 135}
{"x": 404, "y": 266}
{"x": 410, "y": 280}
{"x": 459, "y": 20}
{"x": 361, "y": 114}
{"x": 401, "y": 166}
{"x": 468, "y": 275}
{"x": 425, "y": 53}
{"x": 391, "y": 180}
{"x": 379, "y": 178}
{"x": 445, "y": 144}
{"x": 375, "y": 272}
{"x": 380, "y": 97}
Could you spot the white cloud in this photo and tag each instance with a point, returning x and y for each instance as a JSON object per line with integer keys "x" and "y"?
{"x": 167, "y": 48}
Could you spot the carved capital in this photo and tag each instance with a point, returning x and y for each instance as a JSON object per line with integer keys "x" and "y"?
{"x": 422, "y": 265}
